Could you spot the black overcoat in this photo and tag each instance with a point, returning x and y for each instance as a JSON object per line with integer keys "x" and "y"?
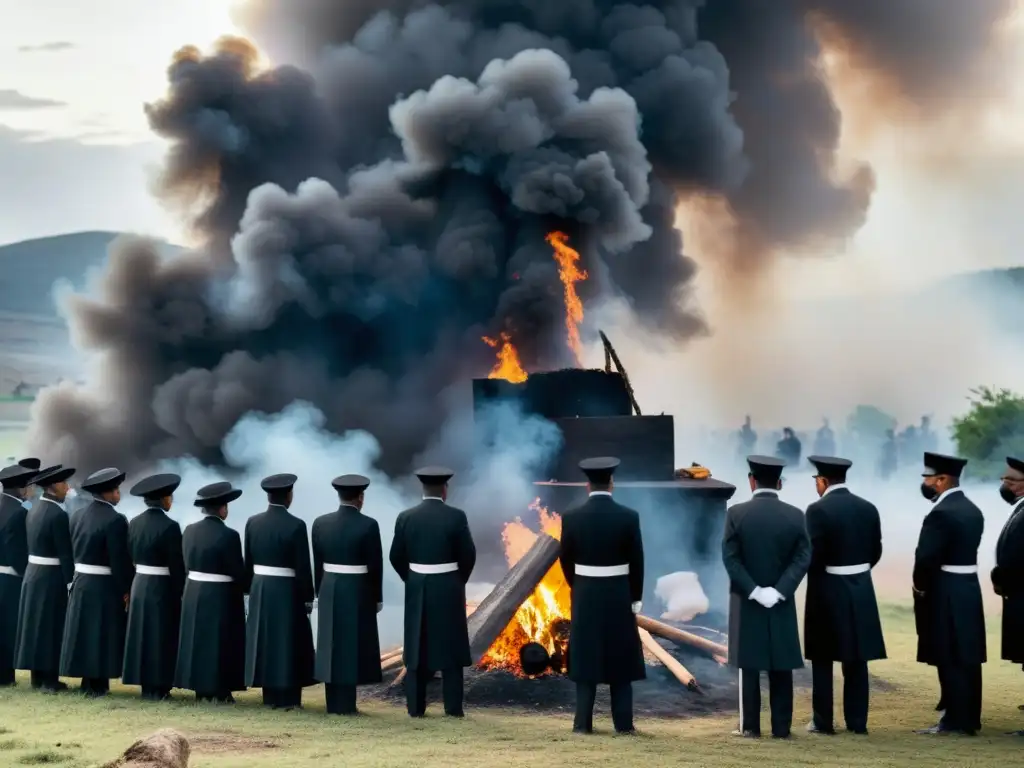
{"x": 436, "y": 632}
{"x": 211, "y": 644}
{"x": 604, "y": 644}
{"x": 13, "y": 556}
{"x": 347, "y": 647}
{"x": 278, "y": 635}
{"x": 44, "y": 591}
{"x": 154, "y": 610}
{"x": 948, "y": 609}
{"x": 765, "y": 545}
{"x": 1008, "y": 581}
{"x": 841, "y": 621}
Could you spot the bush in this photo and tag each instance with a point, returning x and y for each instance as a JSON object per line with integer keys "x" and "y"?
{"x": 991, "y": 430}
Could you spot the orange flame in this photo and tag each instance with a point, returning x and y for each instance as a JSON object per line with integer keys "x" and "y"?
{"x": 508, "y": 366}
{"x": 570, "y": 273}
{"x": 549, "y": 601}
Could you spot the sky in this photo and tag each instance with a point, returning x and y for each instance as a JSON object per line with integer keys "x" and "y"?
{"x": 76, "y": 154}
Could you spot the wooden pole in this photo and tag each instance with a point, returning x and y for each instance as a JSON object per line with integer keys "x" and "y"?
{"x": 681, "y": 637}
{"x": 390, "y": 655}
{"x": 399, "y": 678}
{"x": 682, "y": 674}
{"x": 392, "y": 663}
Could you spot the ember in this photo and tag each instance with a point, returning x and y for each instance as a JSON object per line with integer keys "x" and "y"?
{"x": 543, "y": 616}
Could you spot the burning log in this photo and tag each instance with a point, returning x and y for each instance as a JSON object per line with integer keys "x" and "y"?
{"x": 681, "y": 673}
{"x": 534, "y": 659}
{"x": 496, "y": 610}
{"x": 681, "y": 637}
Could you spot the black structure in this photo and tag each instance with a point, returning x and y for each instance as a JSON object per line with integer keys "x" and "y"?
{"x": 597, "y": 414}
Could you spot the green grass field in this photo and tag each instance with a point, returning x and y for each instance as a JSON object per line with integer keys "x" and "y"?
{"x": 71, "y": 731}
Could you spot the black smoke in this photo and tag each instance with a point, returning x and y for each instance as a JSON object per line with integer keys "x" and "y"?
{"x": 374, "y": 204}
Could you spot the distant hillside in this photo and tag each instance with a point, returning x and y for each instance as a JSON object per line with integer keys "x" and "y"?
{"x": 29, "y": 269}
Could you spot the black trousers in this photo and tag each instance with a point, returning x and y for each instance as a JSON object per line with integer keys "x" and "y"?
{"x": 341, "y": 699}
{"x": 622, "y": 707}
{"x": 95, "y": 686}
{"x": 45, "y": 679}
{"x": 961, "y": 692}
{"x": 416, "y": 691}
{"x": 7, "y": 676}
{"x": 855, "y": 695}
{"x": 282, "y": 698}
{"x": 155, "y": 694}
{"x": 780, "y": 699}
{"x": 220, "y": 697}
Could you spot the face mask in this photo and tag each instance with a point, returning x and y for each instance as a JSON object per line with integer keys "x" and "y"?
{"x": 929, "y": 492}
{"x": 26, "y": 504}
{"x": 1007, "y": 495}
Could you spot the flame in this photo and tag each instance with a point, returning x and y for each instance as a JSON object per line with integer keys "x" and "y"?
{"x": 570, "y": 273}
{"x": 549, "y": 601}
{"x": 508, "y": 366}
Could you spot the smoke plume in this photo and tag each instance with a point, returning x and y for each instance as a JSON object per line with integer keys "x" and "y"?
{"x": 373, "y": 204}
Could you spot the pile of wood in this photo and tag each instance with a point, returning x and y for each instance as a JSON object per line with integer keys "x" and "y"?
{"x": 489, "y": 619}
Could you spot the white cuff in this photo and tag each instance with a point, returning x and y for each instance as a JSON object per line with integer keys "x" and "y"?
{"x": 380, "y": 607}
{"x": 635, "y": 607}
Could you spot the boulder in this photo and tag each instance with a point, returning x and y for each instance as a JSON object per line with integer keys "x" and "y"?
{"x": 164, "y": 749}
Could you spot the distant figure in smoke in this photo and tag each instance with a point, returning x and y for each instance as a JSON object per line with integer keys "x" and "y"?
{"x": 888, "y": 460}
{"x": 746, "y": 439}
{"x": 602, "y": 557}
{"x": 825, "y": 440}
{"x": 433, "y": 553}
{"x": 766, "y": 553}
{"x": 788, "y": 448}
{"x": 948, "y": 608}
{"x": 927, "y": 440}
{"x": 1008, "y": 574}
{"x": 909, "y": 445}
{"x": 841, "y": 621}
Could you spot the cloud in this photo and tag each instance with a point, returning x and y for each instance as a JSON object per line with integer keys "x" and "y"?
{"x": 11, "y": 99}
{"x": 51, "y": 47}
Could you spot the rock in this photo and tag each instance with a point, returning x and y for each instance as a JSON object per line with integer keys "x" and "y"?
{"x": 164, "y": 749}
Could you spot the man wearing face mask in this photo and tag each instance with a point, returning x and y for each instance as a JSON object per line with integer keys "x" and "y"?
{"x": 93, "y": 647}
{"x": 948, "y": 609}
{"x": 841, "y": 620}
{"x": 1008, "y": 575}
{"x": 766, "y": 553}
{"x": 48, "y": 577}
{"x": 15, "y": 481}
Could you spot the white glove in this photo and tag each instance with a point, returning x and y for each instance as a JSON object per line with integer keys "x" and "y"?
{"x": 777, "y": 597}
{"x": 380, "y": 607}
{"x": 635, "y": 607}
{"x": 756, "y": 594}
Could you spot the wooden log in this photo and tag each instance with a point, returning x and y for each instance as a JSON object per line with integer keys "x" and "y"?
{"x": 385, "y": 657}
{"x": 497, "y": 609}
{"x": 398, "y": 678}
{"x": 681, "y": 673}
{"x": 668, "y": 632}
{"x": 392, "y": 663}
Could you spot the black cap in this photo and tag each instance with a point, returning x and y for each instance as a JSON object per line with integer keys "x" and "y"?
{"x": 767, "y": 470}
{"x": 216, "y": 494}
{"x": 599, "y": 469}
{"x": 156, "y": 486}
{"x": 351, "y": 483}
{"x": 105, "y": 480}
{"x": 830, "y": 467}
{"x": 1015, "y": 464}
{"x": 274, "y": 483}
{"x": 53, "y": 475}
{"x": 938, "y": 464}
{"x": 435, "y": 475}
{"x": 16, "y": 476}
{"x": 31, "y": 463}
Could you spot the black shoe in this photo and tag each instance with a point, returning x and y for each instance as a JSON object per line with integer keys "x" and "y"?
{"x": 747, "y": 734}
{"x": 455, "y": 714}
{"x": 942, "y": 730}
{"x": 858, "y": 731}
{"x": 584, "y": 731}
{"x": 812, "y": 727}
{"x": 630, "y": 732}
{"x": 782, "y": 735}
{"x": 57, "y": 687}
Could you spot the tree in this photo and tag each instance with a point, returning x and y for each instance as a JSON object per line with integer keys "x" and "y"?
{"x": 991, "y": 430}
{"x": 868, "y": 423}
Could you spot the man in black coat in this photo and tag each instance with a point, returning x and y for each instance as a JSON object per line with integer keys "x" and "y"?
{"x": 154, "y": 609}
{"x": 1008, "y": 575}
{"x": 348, "y": 573}
{"x": 948, "y": 609}
{"x": 278, "y": 636}
{"x": 48, "y": 576}
{"x": 433, "y": 553}
{"x": 841, "y": 621}
{"x": 15, "y": 481}
{"x": 766, "y": 553}
{"x": 602, "y": 557}
{"x": 93, "y": 647}
{"x": 211, "y": 642}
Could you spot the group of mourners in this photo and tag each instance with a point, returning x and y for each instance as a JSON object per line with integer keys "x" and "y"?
{"x": 95, "y": 597}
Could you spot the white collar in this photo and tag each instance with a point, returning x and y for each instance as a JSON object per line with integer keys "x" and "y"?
{"x": 12, "y": 496}
{"x": 831, "y": 488}
{"x": 765, "y": 492}
{"x": 351, "y": 506}
{"x": 279, "y": 506}
{"x": 54, "y": 501}
{"x": 948, "y": 492}
{"x": 600, "y": 493}
{"x": 433, "y": 498}
{"x": 156, "y": 509}
{"x": 103, "y": 501}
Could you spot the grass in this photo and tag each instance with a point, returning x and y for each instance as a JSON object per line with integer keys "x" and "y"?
{"x": 75, "y": 733}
